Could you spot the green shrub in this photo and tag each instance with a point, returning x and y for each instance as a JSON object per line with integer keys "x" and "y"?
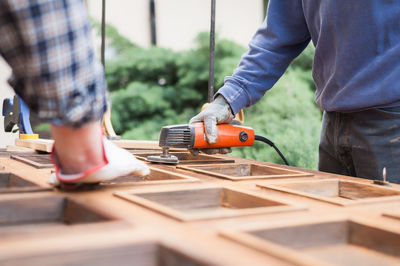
{"x": 154, "y": 87}
{"x": 288, "y": 116}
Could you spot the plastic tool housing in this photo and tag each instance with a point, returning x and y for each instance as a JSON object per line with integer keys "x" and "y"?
{"x": 193, "y": 136}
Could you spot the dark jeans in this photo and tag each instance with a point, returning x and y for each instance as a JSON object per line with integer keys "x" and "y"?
{"x": 361, "y": 144}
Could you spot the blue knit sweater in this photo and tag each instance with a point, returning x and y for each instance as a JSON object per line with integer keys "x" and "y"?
{"x": 357, "y": 57}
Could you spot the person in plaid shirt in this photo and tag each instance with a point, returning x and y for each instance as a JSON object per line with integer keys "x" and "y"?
{"x": 48, "y": 46}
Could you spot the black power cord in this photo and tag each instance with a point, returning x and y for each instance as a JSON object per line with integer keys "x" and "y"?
{"x": 270, "y": 143}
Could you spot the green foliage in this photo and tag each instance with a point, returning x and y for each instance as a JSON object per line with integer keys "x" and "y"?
{"x": 44, "y": 127}
{"x": 115, "y": 39}
{"x": 163, "y": 86}
{"x": 288, "y": 116}
{"x": 154, "y": 87}
{"x": 146, "y": 65}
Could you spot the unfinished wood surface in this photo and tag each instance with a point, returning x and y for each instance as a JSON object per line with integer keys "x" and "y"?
{"x": 188, "y": 204}
{"x": 344, "y": 242}
{"x": 44, "y": 145}
{"x": 141, "y": 144}
{"x": 237, "y": 172}
{"x": 188, "y": 158}
{"x": 392, "y": 214}
{"x": 209, "y": 206}
{"x": 132, "y": 248}
{"x": 336, "y": 191}
{"x": 156, "y": 177}
{"x": 20, "y": 210}
{"x": 35, "y": 160}
{"x": 11, "y": 183}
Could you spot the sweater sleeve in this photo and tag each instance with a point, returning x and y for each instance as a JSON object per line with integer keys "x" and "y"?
{"x": 280, "y": 39}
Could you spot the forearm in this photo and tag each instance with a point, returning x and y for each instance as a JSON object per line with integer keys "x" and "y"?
{"x": 281, "y": 38}
{"x": 49, "y": 49}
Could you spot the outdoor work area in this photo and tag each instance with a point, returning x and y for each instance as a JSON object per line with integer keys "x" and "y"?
{"x": 192, "y": 132}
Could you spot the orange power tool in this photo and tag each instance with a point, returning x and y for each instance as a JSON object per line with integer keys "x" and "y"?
{"x": 193, "y": 136}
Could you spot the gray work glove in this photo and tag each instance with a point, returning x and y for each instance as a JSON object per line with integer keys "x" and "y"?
{"x": 218, "y": 112}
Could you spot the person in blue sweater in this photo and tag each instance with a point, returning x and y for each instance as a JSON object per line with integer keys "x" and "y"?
{"x": 356, "y": 71}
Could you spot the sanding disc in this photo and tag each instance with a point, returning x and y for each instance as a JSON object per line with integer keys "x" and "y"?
{"x": 170, "y": 159}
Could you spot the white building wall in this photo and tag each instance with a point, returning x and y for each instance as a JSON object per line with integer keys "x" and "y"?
{"x": 179, "y": 21}
{"x": 5, "y": 92}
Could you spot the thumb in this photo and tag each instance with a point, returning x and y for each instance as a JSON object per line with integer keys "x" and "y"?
{"x": 211, "y": 129}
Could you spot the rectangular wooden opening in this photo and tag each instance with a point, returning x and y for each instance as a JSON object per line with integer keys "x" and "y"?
{"x": 244, "y": 171}
{"x": 145, "y": 253}
{"x": 11, "y": 183}
{"x": 205, "y": 203}
{"x": 188, "y": 158}
{"x": 336, "y": 191}
{"x": 46, "y": 210}
{"x": 156, "y": 176}
{"x": 343, "y": 242}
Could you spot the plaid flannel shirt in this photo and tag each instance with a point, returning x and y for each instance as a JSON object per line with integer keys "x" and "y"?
{"x": 48, "y": 45}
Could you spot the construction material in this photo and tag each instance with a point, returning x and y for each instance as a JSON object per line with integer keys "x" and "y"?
{"x": 188, "y": 204}
{"x": 336, "y": 242}
{"x": 17, "y": 210}
{"x": 41, "y": 145}
{"x": 238, "y": 172}
{"x": 11, "y": 183}
{"x": 46, "y": 145}
{"x": 336, "y": 191}
{"x": 36, "y": 160}
{"x": 187, "y": 211}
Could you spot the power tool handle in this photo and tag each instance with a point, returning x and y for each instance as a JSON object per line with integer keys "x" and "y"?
{"x": 228, "y": 136}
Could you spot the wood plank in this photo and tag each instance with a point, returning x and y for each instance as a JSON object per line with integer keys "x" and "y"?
{"x": 35, "y": 160}
{"x": 238, "y": 172}
{"x": 44, "y": 145}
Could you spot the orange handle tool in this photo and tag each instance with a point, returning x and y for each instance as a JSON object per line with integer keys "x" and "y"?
{"x": 228, "y": 136}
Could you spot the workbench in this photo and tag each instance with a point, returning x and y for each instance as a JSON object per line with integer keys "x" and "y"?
{"x": 216, "y": 210}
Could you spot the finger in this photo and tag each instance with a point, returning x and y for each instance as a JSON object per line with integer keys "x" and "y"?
{"x": 197, "y": 118}
{"x": 211, "y": 129}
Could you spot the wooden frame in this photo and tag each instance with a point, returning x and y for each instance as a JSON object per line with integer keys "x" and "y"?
{"x": 11, "y": 183}
{"x": 46, "y": 145}
{"x": 188, "y": 158}
{"x": 139, "y": 247}
{"x": 154, "y": 178}
{"x": 392, "y": 214}
{"x": 354, "y": 192}
{"x": 35, "y": 160}
{"x": 45, "y": 212}
{"x": 216, "y": 169}
{"x": 323, "y": 241}
{"x": 192, "y": 203}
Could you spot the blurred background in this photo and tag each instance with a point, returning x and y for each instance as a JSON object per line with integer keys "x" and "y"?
{"x": 157, "y": 55}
